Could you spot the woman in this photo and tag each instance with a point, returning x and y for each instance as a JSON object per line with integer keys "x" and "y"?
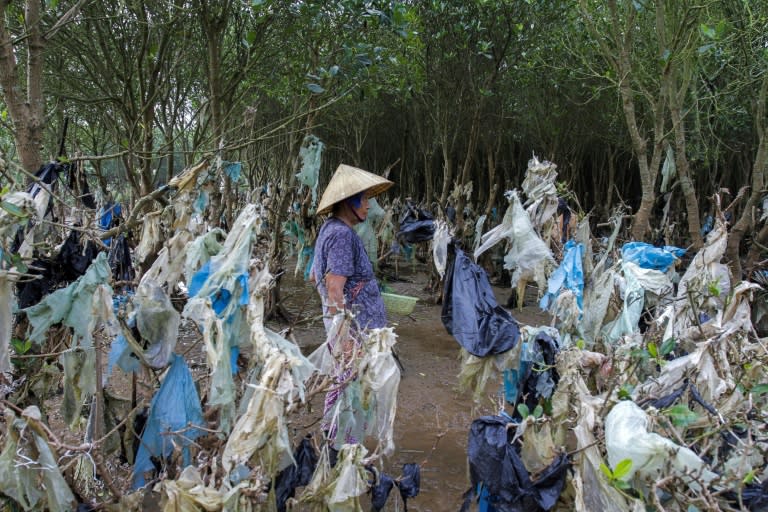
{"x": 345, "y": 280}
{"x": 341, "y": 267}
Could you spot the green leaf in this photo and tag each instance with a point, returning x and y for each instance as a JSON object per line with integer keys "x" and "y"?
{"x": 668, "y": 346}
{"x": 653, "y": 350}
{"x": 12, "y": 209}
{"x": 621, "y": 484}
{"x": 748, "y": 478}
{"x": 523, "y": 410}
{"x": 580, "y": 343}
{"x": 538, "y": 411}
{"x": 622, "y": 469}
{"x": 760, "y": 389}
{"x": 707, "y": 31}
{"x": 625, "y": 391}
{"x": 606, "y": 471}
{"x": 21, "y": 346}
{"x": 681, "y": 415}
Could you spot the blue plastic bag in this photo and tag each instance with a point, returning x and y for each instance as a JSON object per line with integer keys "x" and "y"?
{"x": 651, "y": 257}
{"x": 175, "y": 408}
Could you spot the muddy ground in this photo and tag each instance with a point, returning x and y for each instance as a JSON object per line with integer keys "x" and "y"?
{"x": 433, "y": 418}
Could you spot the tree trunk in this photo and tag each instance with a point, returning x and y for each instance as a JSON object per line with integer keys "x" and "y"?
{"x": 26, "y": 111}
{"x": 759, "y": 179}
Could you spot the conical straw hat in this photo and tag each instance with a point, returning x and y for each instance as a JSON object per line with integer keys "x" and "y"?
{"x": 348, "y": 181}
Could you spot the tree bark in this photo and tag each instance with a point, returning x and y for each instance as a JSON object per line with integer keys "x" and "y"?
{"x": 759, "y": 179}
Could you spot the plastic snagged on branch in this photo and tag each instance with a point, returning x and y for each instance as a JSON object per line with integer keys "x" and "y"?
{"x": 470, "y": 311}
{"x": 174, "y": 413}
{"x": 416, "y": 225}
{"x": 627, "y": 437}
{"x": 496, "y": 466}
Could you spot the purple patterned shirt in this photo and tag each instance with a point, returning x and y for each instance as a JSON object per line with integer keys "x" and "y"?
{"x": 340, "y": 251}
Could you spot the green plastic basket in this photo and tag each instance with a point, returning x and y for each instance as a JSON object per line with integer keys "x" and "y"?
{"x": 398, "y": 304}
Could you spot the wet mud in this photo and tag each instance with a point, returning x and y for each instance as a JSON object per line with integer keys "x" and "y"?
{"x": 433, "y": 417}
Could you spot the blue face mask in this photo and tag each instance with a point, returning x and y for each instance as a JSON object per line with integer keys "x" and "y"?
{"x": 356, "y": 201}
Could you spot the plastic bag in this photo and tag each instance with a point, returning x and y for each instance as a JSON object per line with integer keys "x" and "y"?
{"x": 416, "y": 225}
{"x": 470, "y": 311}
{"x": 297, "y": 474}
{"x": 650, "y": 257}
{"x": 627, "y": 437}
{"x": 440, "y": 246}
{"x": 174, "y": 413}
{"x": 495, "y": 465}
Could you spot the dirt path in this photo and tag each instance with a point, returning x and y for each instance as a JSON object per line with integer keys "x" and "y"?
{"x": 429, "y": 404}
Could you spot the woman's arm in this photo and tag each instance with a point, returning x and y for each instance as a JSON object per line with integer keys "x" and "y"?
{"x": 335, "y": 286}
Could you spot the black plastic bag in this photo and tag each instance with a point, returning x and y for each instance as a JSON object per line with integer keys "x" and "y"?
{"x": 416, "y": 225}
{"x": 296, "y": 475}
{"x": 470, "y": 311}
{"x": 380, "y": 491}
{"x": 410, "y": 482}
{"x": 495, "y": 463}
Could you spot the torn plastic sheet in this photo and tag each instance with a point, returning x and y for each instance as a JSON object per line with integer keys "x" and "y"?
{"x": 440, "y": 246}
{"x": 539, "y": 188}
{"x": 367, "y": 231}
{"x": 17, "y": 208}
{"x": 710, "y": 369}
{"x": 668, "y": 169}
{"x": 189, "y": 493}
{"x": 380, "y": 382}
{"x": 79, "y": 362}
{"x": 597, "y": 295}
{"x": 339, "y": 488}
{"x": 573, "y": 404}
{"x": 650, "y": 257}
{"x": 157, "y": 321}
{"x": 537, "y": 376}
{"x": 200, "y": 250}
{"x": 476, "y": 371}
{"x": 174, "y": 414}
{"x": 79, "y": 381}
{"x": 267, "y": 344}
{"x": 150, "y": 237}
{"x": 627, "y": 437}
{"x": 225, "y": 276}
{"x": 495, "y": 465}
{"x": 7, "y": 306}
{"x": 233, "y": 170}
{"x": 528, "y": 256}
{"x": 366, "y": 405}
{"x": 262, "y": 432}
{"x": 695, "y": 290}
{"x": 72, "y": 306}
{"x": 311, "y": 154}
{"x": 479, "y": 231}
{"x": 167, "y": 268}
{"x": 637, "y": 281}
{"x": 470, "y": 311}
{"x": 409, "y": 485}
{"x": 29, "y": 473}
{"x": 217, "y": 337}
{"x": 569, "y": 275}
{"x": 72, "y": 261}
